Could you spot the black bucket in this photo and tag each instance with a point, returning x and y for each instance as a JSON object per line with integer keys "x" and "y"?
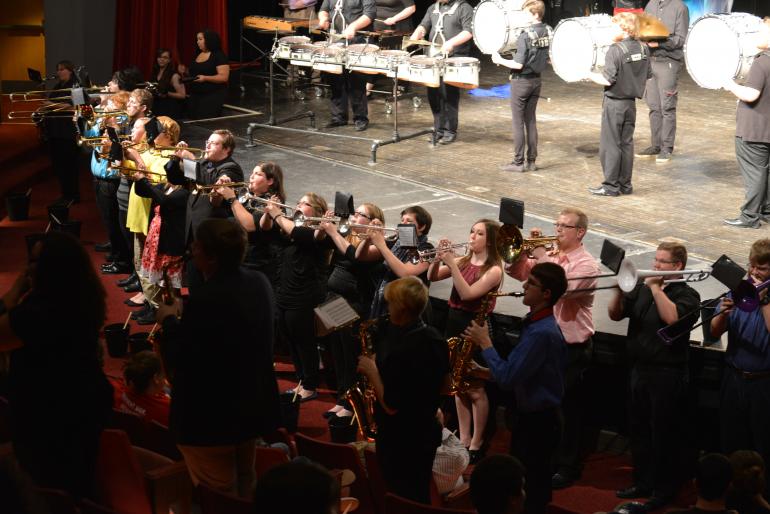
{"x": 17, "y": 205}
{"x": 290, "y": 410}
{"x": 342, "y": 431}
{"x": 116, "y": 338}
{"x": 138, "y": 342}
{"x": 70, "y": 227}
{"x": 31, "y": 240}
{"x": 58, "y": 213}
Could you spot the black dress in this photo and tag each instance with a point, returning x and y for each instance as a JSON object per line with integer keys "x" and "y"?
{"x": 206, "y": 98}
{"x": 59, "y": 397}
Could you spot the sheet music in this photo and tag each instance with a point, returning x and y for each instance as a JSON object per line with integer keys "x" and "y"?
{"x": 335, "y": 314}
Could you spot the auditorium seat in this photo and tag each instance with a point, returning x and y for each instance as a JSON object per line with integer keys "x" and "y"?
{"x": 268, "y": 458}
{"x": 150, "y": 435}
{"x": 217, "y": 502}
{"x": 397, "y": 505}
{"x": 340, "y": 456}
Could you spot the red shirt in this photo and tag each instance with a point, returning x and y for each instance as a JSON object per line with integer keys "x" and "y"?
{"x": 147, "y": 407}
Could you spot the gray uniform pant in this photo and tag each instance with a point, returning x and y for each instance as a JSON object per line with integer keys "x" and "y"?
{"x": 525, "y": 92}
{"x": 661, "y": 95}
{"x": 616, "y": 144}
{"x": 753, "y": 161}
{"x": 445, "y": 104}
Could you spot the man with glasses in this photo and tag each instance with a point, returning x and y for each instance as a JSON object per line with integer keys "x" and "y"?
{"x": 658, "y": 377}
{"x": 573, "y": 313}
{"x": 744, "y": 407}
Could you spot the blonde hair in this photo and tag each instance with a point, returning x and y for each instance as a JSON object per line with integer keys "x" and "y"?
{"x": 407, "y": 295}
{"x": 760, "y": 251}
{"x": 628, "y": 23}
{"x": 170, "y": 128}
{"x": 318, "y": 203}
{"x": 582, "y": 218}
{"x": 536, "y": 7}
{"x": 120, "y": 99}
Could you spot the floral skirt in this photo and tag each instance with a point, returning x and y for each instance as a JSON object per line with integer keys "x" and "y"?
{"x": 154, "y": 262}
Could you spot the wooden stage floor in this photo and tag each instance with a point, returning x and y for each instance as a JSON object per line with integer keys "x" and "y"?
{"x": 685, "y": 199}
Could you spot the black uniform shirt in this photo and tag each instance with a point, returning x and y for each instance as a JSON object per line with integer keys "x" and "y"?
{"x": 351, "y": 11}
{"x": 753, "y": 120}
{"x": 645, "y": 347}
{"x": 627, "y": 69}
{"x": 532, "y": 50}
{"x": 199, "y": 207}
{"x": 461, "y": 20}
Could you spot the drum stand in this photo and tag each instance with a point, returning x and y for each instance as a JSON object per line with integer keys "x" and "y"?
{"x": 376, "y": 143}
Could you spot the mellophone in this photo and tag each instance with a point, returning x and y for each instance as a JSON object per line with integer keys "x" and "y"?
{"x": 367, "y": 58}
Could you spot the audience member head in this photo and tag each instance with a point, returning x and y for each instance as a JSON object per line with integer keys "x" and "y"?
{"x": 550, "y": 280}
{"x": 713, "y": 475}
{"x": 219, "y": 245}
{"x": 62, "y": 276}
{"x": 407, "y": 298}
{"x": 65, "y": 71}
{"x": 208, "y": 41}
{"x": 497, "y": 485}
{"x": 748, "y": 473}
{"x": 419, "y": 216}
{"x": 143, "y": 373}
{"x": 297, "y": 488}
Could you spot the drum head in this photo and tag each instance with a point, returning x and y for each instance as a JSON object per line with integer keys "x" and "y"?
{"x": 712, "y": 52}
{"x": 294, "y": 40}
{"x": 363, "y": 49}
{"x": 461, "y": 61}
{"x": 422, "y": 61}
{"x": 573, "y": 47}
{"x": 494, "y": 23}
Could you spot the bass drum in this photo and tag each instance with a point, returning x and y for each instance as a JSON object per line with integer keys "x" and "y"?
{"x": 720, "y": 47}
{"x": 579, "y": 46}
{"x": 497, "y": 25}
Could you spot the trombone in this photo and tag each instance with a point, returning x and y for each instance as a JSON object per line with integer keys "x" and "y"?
{"x": 198, "y": 153}
{"x": 38, "y": 95}
{"x": 628, "y": 276}
{"x": 510, "y": 243}
{"x": 93, "y": 142}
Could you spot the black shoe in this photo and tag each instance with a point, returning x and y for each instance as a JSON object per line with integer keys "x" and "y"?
{"x": 655, "y": 503}
{"x": 312, "y": 396}
{"x": 133, "y": 287}
{"x": 448, "y": 139}
{"x": 115, "y": 269}
{"x": 132, "y": 303}
{"x": 559, "y": 481}
{"x": 335, "y": 123}
{"x": 148, "y": 318}
{"x": 650, "y": 151}
{"x": 141, "y": 312}
{"x": 602, "y": 192}
{"x": 738, "y": 222}
{"x": 361, "y": 125}
{"x": 337, "y": 421}
{"x": 125, "y": 281}
{"x": 627, "y": 191}
{"x": 111, "y": 257}
{"x": 635, "y": 491}
{"x": 103, "y": 247}
{"x": 476, "y": 456}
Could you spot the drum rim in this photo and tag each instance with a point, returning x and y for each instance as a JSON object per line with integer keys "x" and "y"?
{"x": 580, "y": 21}
{"x": 499, "y": 3}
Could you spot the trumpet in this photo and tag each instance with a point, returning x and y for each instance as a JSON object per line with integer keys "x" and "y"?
{"x": 346, "y": 227}
{"x": 210, "y": 188}
{"x": 432, "y": 255}
{"x": 510, "y": 243}
{"x": 254, "y": 203}
{"x": 98, "y": 141}
{"x": 300, "y": 220}
{"x": 130, "y": 172}
{"x": 198, "y": 153}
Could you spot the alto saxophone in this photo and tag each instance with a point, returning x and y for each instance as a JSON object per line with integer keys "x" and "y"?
{"x": 461, "y": 351}
{"x": 361, "y": 396}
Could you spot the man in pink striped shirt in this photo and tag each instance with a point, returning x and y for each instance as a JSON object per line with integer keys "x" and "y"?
{"x": 573, "y": 313}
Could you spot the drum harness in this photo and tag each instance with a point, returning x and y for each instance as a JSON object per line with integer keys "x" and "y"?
{"x": 440, "y": 21}
{"x": 537, "y": 42}
{"x": 629, "y": 57}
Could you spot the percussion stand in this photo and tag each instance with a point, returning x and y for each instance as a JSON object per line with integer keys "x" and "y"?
{"x": 261, "y": 55}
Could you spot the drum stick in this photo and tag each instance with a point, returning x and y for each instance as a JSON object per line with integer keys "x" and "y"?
{"x": 128, "y": 318}
{"x": 296, "y": 392}
{"x": 154, "y": 328}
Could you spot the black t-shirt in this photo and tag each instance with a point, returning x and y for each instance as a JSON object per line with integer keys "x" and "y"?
{"x": 532, "y": 50}
{"x": 59, "y": 397}
{"x": 645, "y": 347}
{"x": 389, "y": 8}
{"x": 199, "y": 207}
{"x": 413, "y": 362}
{"x": 627, "y": 68}
{"x": 351, "y": 11}
{"x": 303, "y": 272}
{"x": 352, "y": 279}
{"x": 460, "y": 20}
{"x": 753, "y": 120}
{"x": 207, "y": 67}
{"x": 265, "y": 251}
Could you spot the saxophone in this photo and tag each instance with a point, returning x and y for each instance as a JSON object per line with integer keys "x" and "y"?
{"x": 461, "y": 351}
{"x": 362, "y": 396}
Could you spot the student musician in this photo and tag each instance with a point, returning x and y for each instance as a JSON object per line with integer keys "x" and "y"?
{"x": 473, "y": 276}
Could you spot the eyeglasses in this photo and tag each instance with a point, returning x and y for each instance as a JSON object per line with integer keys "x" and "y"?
{"x": 763, "y": 268}
{"x": 363, "y": 215}
{"x": 563, "y": 226}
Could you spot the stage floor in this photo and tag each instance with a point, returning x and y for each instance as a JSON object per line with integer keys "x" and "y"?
{"x": 685, "y": 199}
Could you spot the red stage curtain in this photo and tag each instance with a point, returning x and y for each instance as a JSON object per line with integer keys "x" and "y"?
{"x": 143, "y": 26}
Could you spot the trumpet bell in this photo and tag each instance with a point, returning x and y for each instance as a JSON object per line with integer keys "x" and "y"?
{"x": 509, "y": 243}
{"x": 627, "y": 276}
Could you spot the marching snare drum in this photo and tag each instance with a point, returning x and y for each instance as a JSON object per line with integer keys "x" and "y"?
{"x": 497, "y": 25}
{"x": 579, "y": 46}
{"x": 394, "y": 63}
{"x": 462, "y": 72}
{"x": 720, "y": 47}
{"x": 328, "y": 57}
{"x": 363, "y": 59}
{"x": 301, "y": 55}
{"x": 425, "y": 70}
{"x": 285, "y": 45}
